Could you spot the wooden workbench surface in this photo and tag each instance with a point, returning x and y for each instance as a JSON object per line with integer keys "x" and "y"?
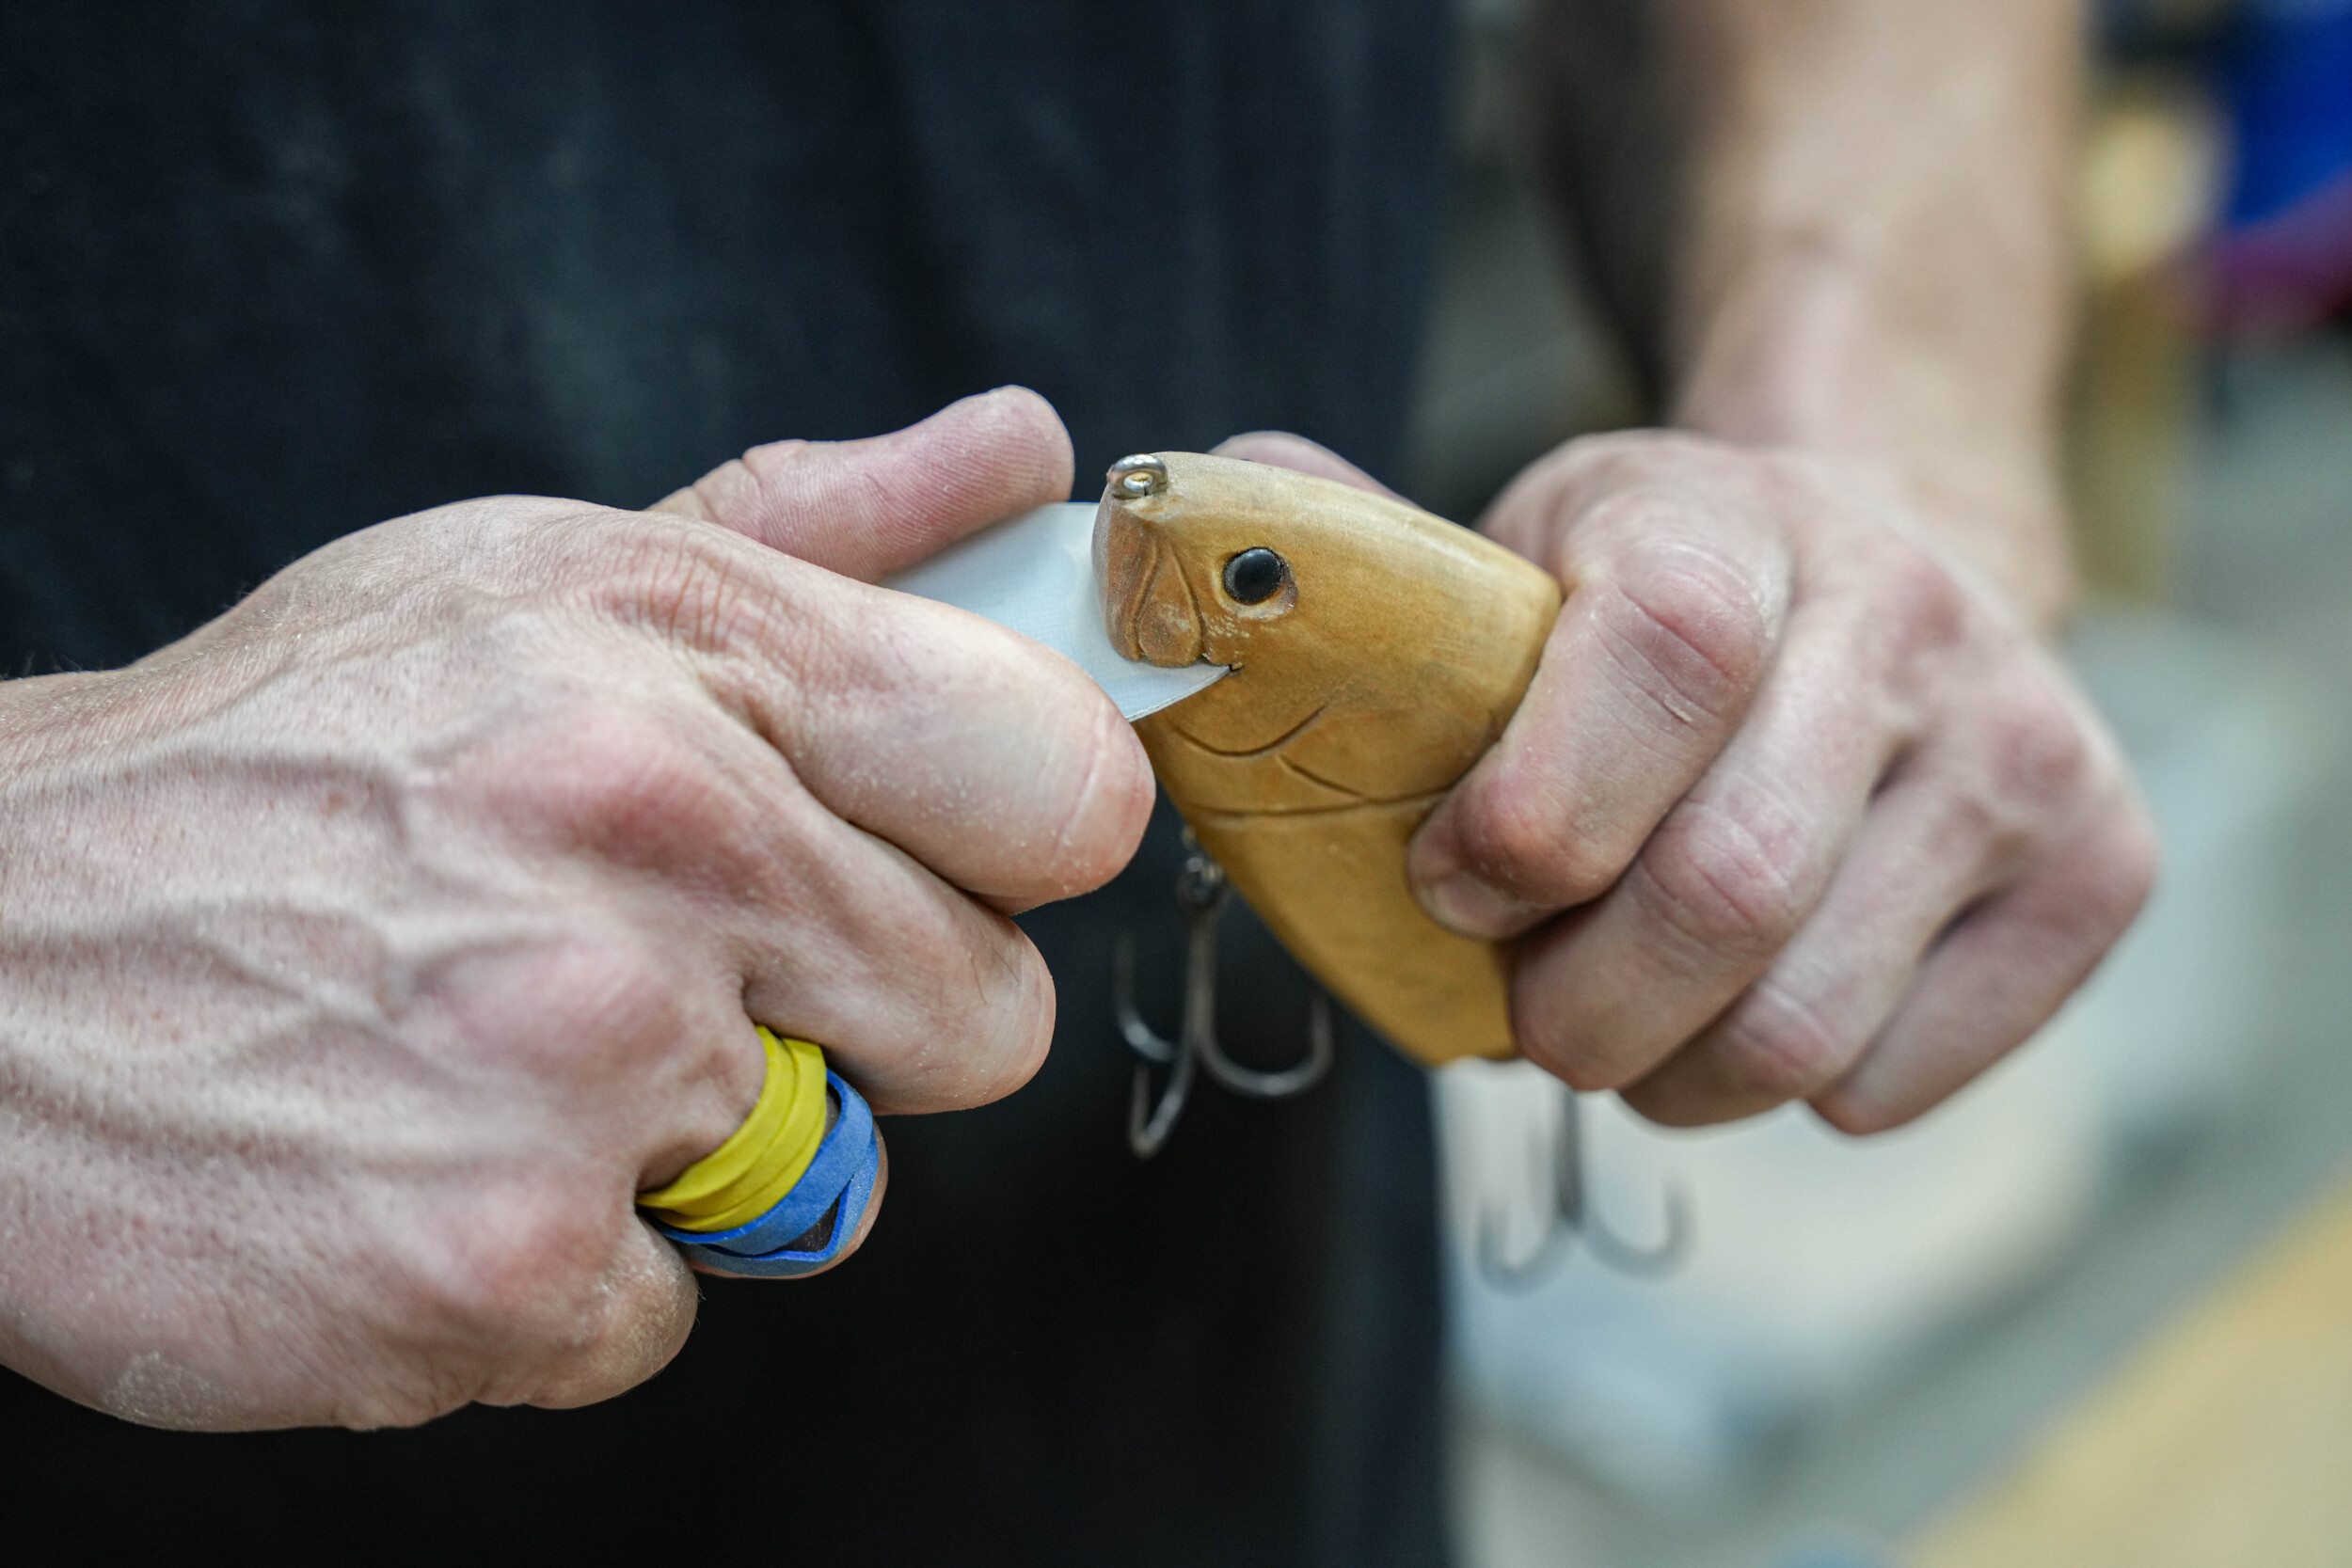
{"x": 2226, "y": 1441}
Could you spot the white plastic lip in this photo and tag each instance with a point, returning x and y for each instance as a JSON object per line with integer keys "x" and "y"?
{"x": 1035, "y": 574}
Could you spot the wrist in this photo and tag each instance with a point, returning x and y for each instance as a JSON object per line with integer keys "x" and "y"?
{"x": 1809, "y": 351}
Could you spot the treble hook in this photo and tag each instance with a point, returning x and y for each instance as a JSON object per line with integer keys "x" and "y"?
{"x": 1573, "y": 1215}
{"x": 1202, "y": 892}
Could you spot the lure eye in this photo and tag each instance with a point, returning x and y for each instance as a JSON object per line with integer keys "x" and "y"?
{"x": 1255, "y": 576}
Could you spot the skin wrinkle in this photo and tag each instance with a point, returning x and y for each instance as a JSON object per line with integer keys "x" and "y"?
{"x": 702, "y": 605}
{"x": 1745, "y": 921}
{"x": 1783, "y": 1046}
{"x": 1665, "y": 688}
{"x": 673, "y": 570}
{"x": 1083, "y": 803}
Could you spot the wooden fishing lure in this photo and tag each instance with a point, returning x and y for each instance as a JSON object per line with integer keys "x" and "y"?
{"x": 1376, "y": 651}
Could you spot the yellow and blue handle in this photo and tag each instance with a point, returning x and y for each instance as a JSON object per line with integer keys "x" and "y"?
{"x": 759, "y": 1203}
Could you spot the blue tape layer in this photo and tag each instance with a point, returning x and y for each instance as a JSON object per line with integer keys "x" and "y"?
{"x": 844, "y": 1170}
{"x": 847, "y": 1142}
{"x": 784, "y": 1265}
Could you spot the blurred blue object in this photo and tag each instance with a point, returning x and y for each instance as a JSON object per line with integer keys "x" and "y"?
{"x": 2284, "y": 259}
{"x": 2290, "y": 95}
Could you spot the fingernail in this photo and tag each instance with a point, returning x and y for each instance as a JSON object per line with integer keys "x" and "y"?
{"x": 1463, "y": 903}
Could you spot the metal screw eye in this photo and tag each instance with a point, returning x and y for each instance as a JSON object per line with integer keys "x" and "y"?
{"x": 1138, "y": 476}
{"x": 1255, "y": 576}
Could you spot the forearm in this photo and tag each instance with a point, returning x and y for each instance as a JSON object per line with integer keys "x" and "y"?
{"x": 1840, "y": 225}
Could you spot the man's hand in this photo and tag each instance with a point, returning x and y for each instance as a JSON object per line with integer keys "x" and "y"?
{"x": 1799, "y": 804}
{"x": 1827, "y": 821}
{"x": 364, "y": 954}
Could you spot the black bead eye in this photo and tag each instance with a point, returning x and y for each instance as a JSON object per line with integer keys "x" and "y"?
{"x": 1255, "y": 576}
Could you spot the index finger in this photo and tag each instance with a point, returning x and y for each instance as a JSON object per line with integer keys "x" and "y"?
{"x": 1676, "y": 603}
{"x": 991, "y": 760}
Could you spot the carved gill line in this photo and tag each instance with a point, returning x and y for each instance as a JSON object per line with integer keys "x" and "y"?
{"x": 1191, "y": 602}
{"x": 1165, "y": 557}
{"x": 1215, "y": 815}
{"x": 1130, "y": 608}
{"x": 1155, "y": 563}
{"x": 1319, "y": 781}
{"x": 1247, "y": 753}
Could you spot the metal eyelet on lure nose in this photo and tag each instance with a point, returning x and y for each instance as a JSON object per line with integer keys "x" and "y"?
{"x": 1138, "y": 476}
{"x": 1255, "y": 576}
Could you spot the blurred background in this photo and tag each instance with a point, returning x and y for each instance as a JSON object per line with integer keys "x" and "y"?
{"x": 1970, "y": 1341}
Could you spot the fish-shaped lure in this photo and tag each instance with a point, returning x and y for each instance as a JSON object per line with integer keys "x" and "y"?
{"x": 1375, "y": 650}
{"x": 1368, "y": 654}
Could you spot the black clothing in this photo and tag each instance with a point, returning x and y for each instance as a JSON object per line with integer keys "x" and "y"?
{"x": 270, "y": 272}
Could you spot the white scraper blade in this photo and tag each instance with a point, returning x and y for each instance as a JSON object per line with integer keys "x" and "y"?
{"x": 1034, "y": 573}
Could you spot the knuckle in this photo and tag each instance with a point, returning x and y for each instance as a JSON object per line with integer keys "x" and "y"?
{"x": 1543, "y": 1038}
{"x": 2036, "y": 749}
{"x": 1019, "y": 1012}
{"x": 1776, "y": 1045}
{"x": 1540, "y": 1029}
{"x": 979, "y": 1009}
{"x": 2134, "y": 861}
{"x": 2120, "y": 870}
{"x": 1858, "y": 1116}
{"x": 1725, "y": 881}
{"x": 638, "y": 1320}
{"x": 624, "y": 784}
{"x": 515, "y": 1275}
{"x": 2016, "y": 779}
{"x": 1553, "y": 1027}
{"x": 1692, "y": 627}
{"x": 593, "y": 1002}
{"x": 766, "y": 475}
{"x": 1509, "y": 830}
{"x": 683, "y": 579}
{"x": 1915, "y": 597}
{"x": 1584, "y": 1063}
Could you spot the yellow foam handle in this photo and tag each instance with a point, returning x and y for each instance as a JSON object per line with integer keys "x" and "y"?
{"x": 724, "y": 1164}
{"x": 786, "y": 1160}
{"x": 743, "y": 1176}
{"x": 757, "y": 1201}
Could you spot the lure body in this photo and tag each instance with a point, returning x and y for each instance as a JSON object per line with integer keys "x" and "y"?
{"x": 1385, "y": 658}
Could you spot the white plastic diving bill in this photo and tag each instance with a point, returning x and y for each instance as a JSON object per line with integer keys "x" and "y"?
{"x": 1034, "y": 573}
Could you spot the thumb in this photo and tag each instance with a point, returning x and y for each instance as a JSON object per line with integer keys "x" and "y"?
{"x": 866, "y": 508}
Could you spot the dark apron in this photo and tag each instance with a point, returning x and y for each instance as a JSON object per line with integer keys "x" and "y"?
{"x": 272, "y": 272}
